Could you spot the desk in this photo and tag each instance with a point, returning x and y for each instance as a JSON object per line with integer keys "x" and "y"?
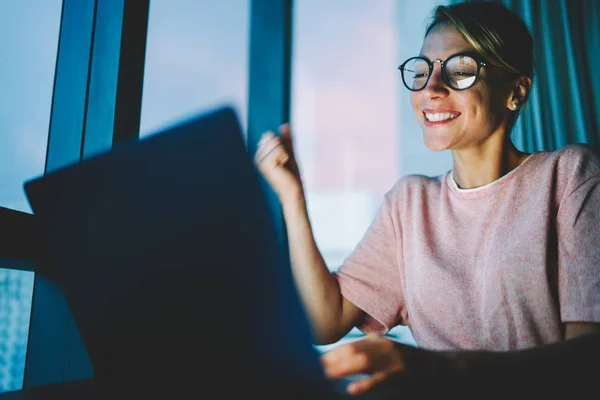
{"x": 84, "y": 390}
{"x": 76, "y": 390}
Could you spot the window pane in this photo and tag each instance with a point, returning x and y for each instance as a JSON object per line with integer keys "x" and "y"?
{"x": 15, "y": 308}
{"x": 345, "y": 116}
{"x": 29, "y": 39}
{"x": 196, "y": 58}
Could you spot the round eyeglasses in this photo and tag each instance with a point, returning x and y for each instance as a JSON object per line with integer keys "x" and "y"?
{"x": 459, "y": 71}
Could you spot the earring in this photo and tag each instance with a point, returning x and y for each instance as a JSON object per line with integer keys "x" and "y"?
{"x": 515, "y": 105}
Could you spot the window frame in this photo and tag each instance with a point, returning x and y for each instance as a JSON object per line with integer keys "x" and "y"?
{"x": 96, "y": 103}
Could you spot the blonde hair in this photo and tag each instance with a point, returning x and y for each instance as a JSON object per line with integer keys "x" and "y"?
{"x": 494, "y": 31}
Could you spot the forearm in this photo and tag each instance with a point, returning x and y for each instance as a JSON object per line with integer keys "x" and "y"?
{"x": 317, "y": 287}
{"x": 570, "y": 358}
{"x": 564, "y": 366}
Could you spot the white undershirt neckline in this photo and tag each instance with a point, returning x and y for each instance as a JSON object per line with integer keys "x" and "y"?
{"x": 479, "y": 188}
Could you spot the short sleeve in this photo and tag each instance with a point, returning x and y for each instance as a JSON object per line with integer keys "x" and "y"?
{"x": 578, "y": 230}
{"x": 370, "y": 277}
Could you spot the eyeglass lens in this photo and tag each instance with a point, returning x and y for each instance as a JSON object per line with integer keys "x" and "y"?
{"x": 460, "y": 72}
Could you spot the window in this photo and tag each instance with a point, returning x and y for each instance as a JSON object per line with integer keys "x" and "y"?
{"x": 352, "y": 122}
{"x": 196, "y": 59}
{"x": 16, "y": 288}
{"x": 29, "y": 40}
{"x": 345, "y": 96}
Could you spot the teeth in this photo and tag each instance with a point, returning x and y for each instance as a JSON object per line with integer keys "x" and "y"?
{"x": 440, "y": 116}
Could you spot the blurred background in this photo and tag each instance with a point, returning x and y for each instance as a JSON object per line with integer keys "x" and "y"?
{"x": 354, "y": 131}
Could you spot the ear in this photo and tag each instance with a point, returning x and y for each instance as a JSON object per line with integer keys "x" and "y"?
{"x": 519, "y": 93}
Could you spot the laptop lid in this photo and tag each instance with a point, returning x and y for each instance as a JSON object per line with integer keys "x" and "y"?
{"x": 170, "y": 264}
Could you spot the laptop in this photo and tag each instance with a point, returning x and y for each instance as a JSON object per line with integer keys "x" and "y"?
{"x": 167, "y": 255}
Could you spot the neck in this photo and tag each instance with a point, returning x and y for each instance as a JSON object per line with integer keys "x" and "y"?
{"x": 477, "y": 166}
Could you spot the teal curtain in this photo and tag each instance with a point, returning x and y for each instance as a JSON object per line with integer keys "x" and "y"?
{"x": 564, "y": 106}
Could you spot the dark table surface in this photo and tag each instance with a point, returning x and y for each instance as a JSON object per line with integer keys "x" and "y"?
{"x": 86, "y": 390}
{"x": 80, "y": 390}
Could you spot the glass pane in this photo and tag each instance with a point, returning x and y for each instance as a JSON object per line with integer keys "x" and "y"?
{"x": 16, "y": 288}
{"x": 196, "y": 58}
{"x": 345, "y": 101}
{"x": 29, "y": 39}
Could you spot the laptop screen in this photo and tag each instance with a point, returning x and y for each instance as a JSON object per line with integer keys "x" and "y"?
{"x": 170, "y": 264}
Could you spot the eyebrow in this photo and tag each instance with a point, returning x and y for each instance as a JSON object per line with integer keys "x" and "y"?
{"x": 464, "y": 51}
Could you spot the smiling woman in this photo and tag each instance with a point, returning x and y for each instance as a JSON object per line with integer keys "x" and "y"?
{"x": 471, "y": 54}
{"x": 495, "y": 264}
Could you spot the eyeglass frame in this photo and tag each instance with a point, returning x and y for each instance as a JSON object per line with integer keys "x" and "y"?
{"x": 474, "y": 56}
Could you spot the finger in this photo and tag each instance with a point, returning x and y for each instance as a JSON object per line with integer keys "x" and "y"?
{"x": 285, "y": 133}
{"x": 346, "y": 368}
{"x": 338, "y": 353}
{"x": 347, "y": 350}
{"x": 273, "y": 156}
{"x": 286, "y": 130}
{"x": 348, "y": 363}
{"x": 266, "y": 137}
{"x": 264, "y": 150}
{"x": 266, "y": 145}
{"x": 366, "y": 384}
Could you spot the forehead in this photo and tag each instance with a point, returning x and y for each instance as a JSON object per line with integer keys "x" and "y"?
{"x": 443, "y": 41}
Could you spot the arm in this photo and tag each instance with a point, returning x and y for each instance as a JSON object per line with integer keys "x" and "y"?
{"x": 569, "y": 358}
{"x": 568, "y": 365}
{"x": 330, "y": 314}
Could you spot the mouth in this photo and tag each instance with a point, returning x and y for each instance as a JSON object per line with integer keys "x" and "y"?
{"x": 439, "y": 118}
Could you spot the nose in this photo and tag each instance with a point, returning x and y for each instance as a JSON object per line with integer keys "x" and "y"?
{"x": 436, "y": 87}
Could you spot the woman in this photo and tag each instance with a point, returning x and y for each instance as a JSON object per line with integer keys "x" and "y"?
{"x": 494, "y": 266}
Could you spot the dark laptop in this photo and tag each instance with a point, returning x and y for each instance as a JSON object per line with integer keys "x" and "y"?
{"x": 170, "y": 264}
{"x": 168, "y": 258}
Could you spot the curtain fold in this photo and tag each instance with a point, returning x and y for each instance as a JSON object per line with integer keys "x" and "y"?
{"x": 564, "y": 105}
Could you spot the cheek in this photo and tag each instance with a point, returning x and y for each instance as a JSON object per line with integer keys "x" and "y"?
{"x": 481, "y": 108}
{"x": 489, "y": 113}
{"x": 490, "y": 107}
{"x": 415, "y": 100}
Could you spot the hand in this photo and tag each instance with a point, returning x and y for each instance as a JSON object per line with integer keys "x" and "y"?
{"x": 374, "y": 355}
{"x": 276, "y": 161}
{"x": 379, "y": 358}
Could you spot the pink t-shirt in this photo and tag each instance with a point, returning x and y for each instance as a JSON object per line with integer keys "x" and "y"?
{"x": 500, "y": 267}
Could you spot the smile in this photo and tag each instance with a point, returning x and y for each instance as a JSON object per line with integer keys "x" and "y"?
{"x": 440, "y": 117}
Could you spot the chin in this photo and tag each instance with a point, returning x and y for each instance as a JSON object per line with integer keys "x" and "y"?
{"x": 436, "y": 142}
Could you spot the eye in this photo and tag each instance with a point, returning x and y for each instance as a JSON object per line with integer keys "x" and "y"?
{"x": 462, "y": 73}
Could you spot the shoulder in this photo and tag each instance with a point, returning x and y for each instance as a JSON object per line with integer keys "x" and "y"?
{"x": 413, "y": 187}
{"x": 580, "y": 156}
{"x": 574, "y": 163}
{"x": 567, "y": 169}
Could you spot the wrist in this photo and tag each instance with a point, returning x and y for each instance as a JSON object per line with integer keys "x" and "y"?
{"x": 293, "y": 204}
